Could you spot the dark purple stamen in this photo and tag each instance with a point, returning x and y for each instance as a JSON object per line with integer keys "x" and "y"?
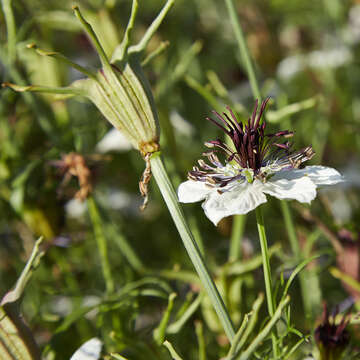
{"x": 253, "y": 148}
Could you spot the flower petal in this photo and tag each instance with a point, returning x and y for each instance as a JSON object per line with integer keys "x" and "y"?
{"x": 320, "y": 175}
{"x": 193, "y": 191}
{"x": 90, "y": 350}
{"x": 301, "y": 189}
{"x": 240, "y": 199}
{"x": 323, "y": 175}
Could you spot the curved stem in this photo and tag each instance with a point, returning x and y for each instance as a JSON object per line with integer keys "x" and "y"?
{"x": 297, "y": 253}
{"x": 244, "y": 52}
{"x": 267, "y": 272}
{"x": 11, "y": 29}
{"x": 191, "y": 247}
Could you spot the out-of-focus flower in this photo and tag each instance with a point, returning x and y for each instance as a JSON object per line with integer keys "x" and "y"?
{"x": 90, "y": 350}
{"x": 113, "y": 140}
{"x": 331, "y": 338}
{"x": 258, "y": 165}
{"x": 75, "y": 208}
{"x": 318, "y": 59}
{"x": 180, "y": 125}
{"x": 351, "y": 32}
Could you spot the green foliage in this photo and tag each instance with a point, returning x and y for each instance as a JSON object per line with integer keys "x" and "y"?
{"x": 110, "y": 270}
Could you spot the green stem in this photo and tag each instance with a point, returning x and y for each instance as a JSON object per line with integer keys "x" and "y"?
{"x": 267, "y": 272}
{"x": 63, "y": 59}
{"x": 120, "y": 52}
{"x": 153, "y": 54}
{"x": 160, "y": 332}
{"x": 265, "y": 331}
{"x": 192, "y": 249}
{"x": 33, "y": 262}
{"x": 94, "y": 39}
{"x": 11, "y": 30}
{"x": 101, "y": 244}
{"x": 297, "y": 253}
{"x": 141, "y": 46}
{"x": 236, "y": 237}
{"x": 244, "y": 51}
{"x": 254, "y": 314}
{"x": 172, "y": 351}
{"x": 69, "y": 90}
{"x": 199, "y": 329}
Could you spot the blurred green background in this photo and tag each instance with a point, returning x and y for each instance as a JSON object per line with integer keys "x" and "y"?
{"x": 306, "y": 53}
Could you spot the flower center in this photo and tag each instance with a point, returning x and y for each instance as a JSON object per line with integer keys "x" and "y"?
{"x": 255, "y": 155}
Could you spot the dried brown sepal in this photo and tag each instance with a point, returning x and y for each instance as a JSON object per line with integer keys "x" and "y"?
{"x": 147, "y": 149}
{"x": 144, "y": 182}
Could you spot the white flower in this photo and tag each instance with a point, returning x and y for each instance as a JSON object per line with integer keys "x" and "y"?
{"x": 253, "y": 170}
{"x": 114, "y": 140}
{"x": 242, "y": 197}
{"x": 90, "y": 350}
{"x": 331, "y": 58}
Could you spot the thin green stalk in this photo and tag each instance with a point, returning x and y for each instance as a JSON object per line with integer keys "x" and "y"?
{"x": 141, "y": 46}
{"x": 172, "y": 351}
{"x": 94, "y": 39}
{"x": 176, "y": 326}
{"x": 11, "y": 30}
{"x": 236, "y": 237}
{"x": 160, "y": 332}
{"x": 63, "y": 59}
{"x": 267, "y": 272}
{"x": 191, "y": 247}
{"x": 249, "y": 327}
{"x": 199, "y": 329}
{"x": 297, "y": 253}
{"x": 101, "y": 244}
{"x": 244, "y": 51}
{"x": 265, "y": 331}
{"x": 31, "y": 265}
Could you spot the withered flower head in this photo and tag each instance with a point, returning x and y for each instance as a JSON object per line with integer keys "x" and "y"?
{"x": 74, "y": 164}
{"x": 331, "y": 338}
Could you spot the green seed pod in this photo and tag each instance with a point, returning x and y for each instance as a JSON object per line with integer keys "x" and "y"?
{"x": 119, "y": 89}
{"x": 123, "y": 96}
